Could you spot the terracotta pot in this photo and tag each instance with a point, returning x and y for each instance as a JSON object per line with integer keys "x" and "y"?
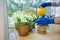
{"x": 23, "y": 30}
{"x": 42, "y": 30}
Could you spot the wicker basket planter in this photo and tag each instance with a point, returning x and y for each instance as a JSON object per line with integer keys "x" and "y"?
{"x": 23, "y": 30}
{"x": 42, "y": 30}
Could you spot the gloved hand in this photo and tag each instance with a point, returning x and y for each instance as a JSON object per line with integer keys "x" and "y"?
{"x": 44, "y": 21}
{"x": 46, "y": 4}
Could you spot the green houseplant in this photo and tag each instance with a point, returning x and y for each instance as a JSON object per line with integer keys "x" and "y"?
{"x": 23, "y": 22}
{"x": 31, "y": 18}
{"x": 22, "y": 27}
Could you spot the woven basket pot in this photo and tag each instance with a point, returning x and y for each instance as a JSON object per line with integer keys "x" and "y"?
{"x": 23, "y": 30}
{"x": 42, "y": 30}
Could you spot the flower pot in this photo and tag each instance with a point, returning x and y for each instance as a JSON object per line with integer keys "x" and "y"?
{"x": 42, "y": 30}
{"x": 23, "y": 30}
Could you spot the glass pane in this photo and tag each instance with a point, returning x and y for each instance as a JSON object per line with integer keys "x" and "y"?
{"x": 57, "y": 12}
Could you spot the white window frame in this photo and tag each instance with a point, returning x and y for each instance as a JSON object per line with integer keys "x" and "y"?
{"x": 3, "y": 20}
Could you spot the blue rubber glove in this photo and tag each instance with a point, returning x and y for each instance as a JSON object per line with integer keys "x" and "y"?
{"x": 42, "y": 21}
{"x": 51, "y": 20}
{"x": 45, "y": 21}
{"x": 46, "y": 4}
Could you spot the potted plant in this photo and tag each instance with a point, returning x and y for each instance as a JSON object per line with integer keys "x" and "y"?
{"x": 31, "y": 18}
{"x": 22, "y": 27}
{"x": 21, "y": 24}
{"x": 24, "y": 22}
{"x": 32, "y": 24}
{"x": 42, "y": 25}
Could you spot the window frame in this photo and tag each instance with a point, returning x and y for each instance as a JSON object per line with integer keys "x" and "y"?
{"x": 3, "y": 20}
